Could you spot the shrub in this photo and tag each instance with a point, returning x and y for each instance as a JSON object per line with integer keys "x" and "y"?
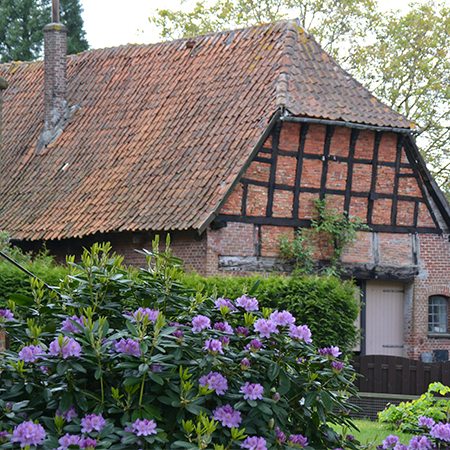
{"x": 327, "y": 305}
{"x": 125, "y": 359}
{"x": 14, "y": 281}
{"x": 405, "y": 416}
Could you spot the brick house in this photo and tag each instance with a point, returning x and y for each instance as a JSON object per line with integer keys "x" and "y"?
{"x": 223, "y": 141}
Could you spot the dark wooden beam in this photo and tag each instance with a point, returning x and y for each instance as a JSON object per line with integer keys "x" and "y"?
{"x": 351, "y": 156}
{"x": 373, "y": 183}
{"x": 304, "y": 223}
{"x": 273, "y": 168}
{"x": 298, "y": 173}
{"x": 244, "y": 198}
{"x": 350, "y": 270}
{"x": 326, "y": 154}
{"x": 398, "y": 159}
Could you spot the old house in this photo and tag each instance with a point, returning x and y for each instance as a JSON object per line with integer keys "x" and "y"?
{"x": 223, "y": 141}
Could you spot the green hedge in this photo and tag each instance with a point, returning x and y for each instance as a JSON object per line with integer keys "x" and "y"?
{"x": 15, "y": 281}
{"x": 327, "y": 305}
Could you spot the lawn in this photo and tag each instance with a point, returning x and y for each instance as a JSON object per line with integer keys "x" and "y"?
{"x": 374, "y": 432}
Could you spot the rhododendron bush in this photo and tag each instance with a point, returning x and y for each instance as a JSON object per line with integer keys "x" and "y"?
{"x": 131, "y": 360}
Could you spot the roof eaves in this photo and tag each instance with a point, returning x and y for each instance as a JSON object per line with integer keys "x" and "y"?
{"x": 431, "y": 185}
{"x": 276, "y": 116}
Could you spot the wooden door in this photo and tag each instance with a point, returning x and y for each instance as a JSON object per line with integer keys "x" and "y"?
{"x": 384, "y": 317}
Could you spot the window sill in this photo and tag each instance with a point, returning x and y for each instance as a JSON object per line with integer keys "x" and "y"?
{"x": 439, "y": 335}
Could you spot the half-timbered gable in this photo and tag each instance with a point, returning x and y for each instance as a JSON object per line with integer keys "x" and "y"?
{"x": 224, "y": 141}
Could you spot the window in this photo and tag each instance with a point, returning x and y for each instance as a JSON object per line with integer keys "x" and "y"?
{"x": 437, "y": 314}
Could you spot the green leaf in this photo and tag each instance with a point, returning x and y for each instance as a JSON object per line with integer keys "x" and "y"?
{"x": 156, "y": 378}
{"x": 22, "y": 300}
{"x": 107, "y": 430}
{"x": 143, "y": 368}
{"x": 131, "y": 381}
{"x": 254, "y": 287}
{"x": 285, "y": 383}
{"x": 273, "y": 371}
{"x": 62, "y": 367}
{"x": 98, "y": 374}
{"x": 310, "y": 398}
{"x": 326, "y": 400}
{"x": 132, "y": 328}
{"x": 66, "y": 402}
{"x": 81, "y": 401}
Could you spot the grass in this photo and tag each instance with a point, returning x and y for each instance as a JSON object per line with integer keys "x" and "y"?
{"x": 374, "y": 432}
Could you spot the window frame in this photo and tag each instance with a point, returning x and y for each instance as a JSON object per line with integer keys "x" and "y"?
{"x": 437, "y": 324}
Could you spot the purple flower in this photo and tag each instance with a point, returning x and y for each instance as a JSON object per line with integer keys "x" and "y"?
{"x": 281, "y": 437}
{"x": 6, "y": 314}
{"x": 265, "y": 327}
{"x": 88, "y": 443}
{"x": 3, "y": 437}
{"x": 337, "y": 367}
{"x": 144, "y": 427}
{"x": 390, "y": 442}
{"x": 300, "y": 360}
{"x": 441, "y": 431}
{"x": 252, "y": 391}
{"x": 420, "y": 443}
{"x": 330, "y": 352}
{"x": 156, "y": 368}
{"x": 216, "y": 381}
{"x": 92, "y": 422}
{"x": 242, "y": 331}
{"x": 28, "y": 433}
{"x": 255, "y": 345}
{"x": 68, "y": 439}
{"x": 401, "y": 447}
{"x": 300, "y": 333}
{"x": 69, "y": 327}
{"x": 426, "y": 422}
{"x": 69, "y": 414}
{"x": 254, "y": 443}
{"x": 225, "y": 341}
{"x": 128, "y": 347}
{"x": 245, "y": 364}
{"x": 249, "y": 304}
{"x": 224, "y": 326}
{"x": 31, "y": 353}
{"x": 213, "y": 346}
{"x": 228, "y": 416}
{"x": 145, "y": 314}
{"x": 297, "y": 440}
{"x": 224, "y": 302}
{"x": 282, "y": 318}
{"x": 70, "y": 347}
{"x": 200, "y": 323}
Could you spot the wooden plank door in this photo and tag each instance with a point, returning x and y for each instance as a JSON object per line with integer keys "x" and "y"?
{"x": 384, "y": 317}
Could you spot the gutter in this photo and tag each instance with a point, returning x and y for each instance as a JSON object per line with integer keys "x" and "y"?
{"x": 342, "y": 123}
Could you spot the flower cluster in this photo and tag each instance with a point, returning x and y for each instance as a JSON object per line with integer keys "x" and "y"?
{"x": 213, "y": 346}
{"x": 143, "y": 314}
{"x": 144, "y": 427}
{"x": 65, "y": 347}
{"x": 254, "y": 443}
{"x": 249, "y": 304}
{"x": 68, "y": 415}
{"x": 224, "y": 326}
{"x": 31, "y": 353}
{"x": 128, "y": 346}
{"x": 283, "y": 318}
{"x": 28, "y": 433}
{"x": 265, "y": 327}
{"x": 216, "y": 381}
{"x": 300, "y": 333}
{"x": 252, "y": 391}
{"x": 200, "y": 323}
{"x": 227, "y": 416}
{"x": 92, "y": 422}
{"x": 69, "y": 327}
{"x": 330, "y": 352}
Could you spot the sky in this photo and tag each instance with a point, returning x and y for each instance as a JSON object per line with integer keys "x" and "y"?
{"x": 110, "y": 23}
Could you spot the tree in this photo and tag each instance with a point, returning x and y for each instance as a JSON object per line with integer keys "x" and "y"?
{"x": 22, "y": 23}
{"x": 403, "y": 58}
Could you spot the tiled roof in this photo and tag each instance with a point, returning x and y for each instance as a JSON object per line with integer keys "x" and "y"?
{"x": 162, "y": 130}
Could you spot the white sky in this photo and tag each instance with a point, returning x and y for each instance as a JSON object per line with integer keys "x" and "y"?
{"x": 109, "y": 23}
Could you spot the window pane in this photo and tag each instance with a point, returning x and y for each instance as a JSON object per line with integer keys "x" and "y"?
{"x": 437, "y": 314}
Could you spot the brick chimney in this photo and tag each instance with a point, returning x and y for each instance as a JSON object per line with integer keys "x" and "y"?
{"x": 55, "y": 80}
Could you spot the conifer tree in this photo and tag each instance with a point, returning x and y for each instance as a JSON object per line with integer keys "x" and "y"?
{"x": 22, "y": 23}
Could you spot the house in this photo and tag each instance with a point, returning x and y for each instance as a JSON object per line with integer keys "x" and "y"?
{"x": 223, "y": 140}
